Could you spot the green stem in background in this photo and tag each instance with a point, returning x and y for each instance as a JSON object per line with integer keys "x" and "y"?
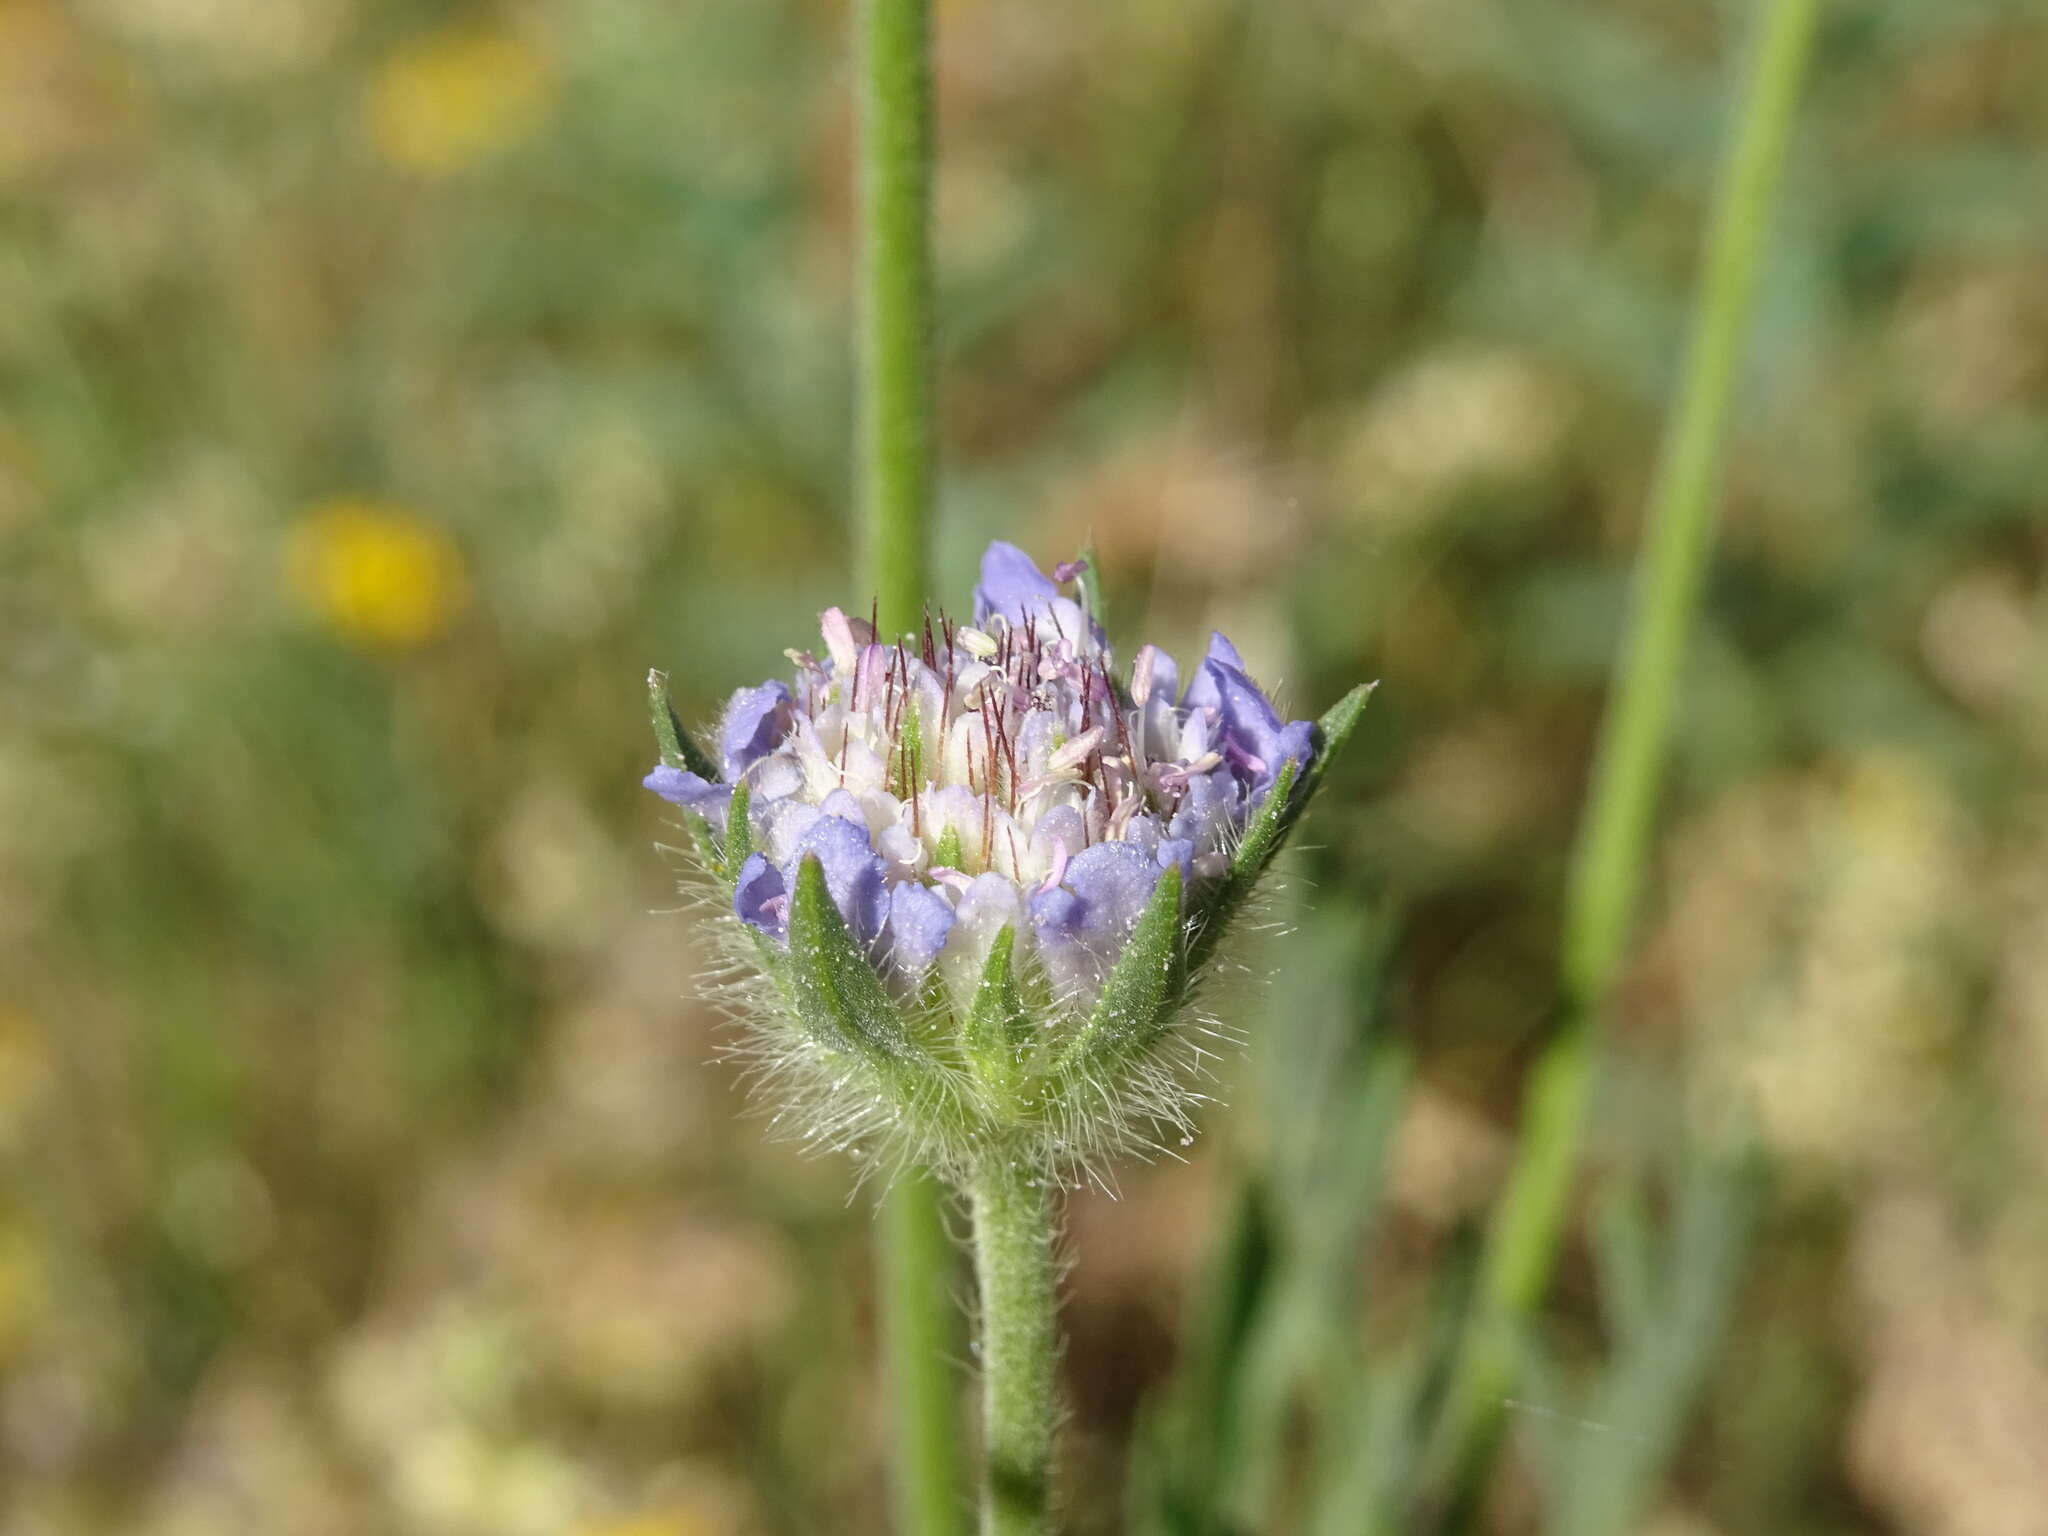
{"x": 895, "y": 383}
{"x": 1013, "y": 1263}
{"x": 1608, "y": 862}
{"x": 894, "y": 410}
{"x": 919, "y": 1330}
{"x": 1611, "y": 852}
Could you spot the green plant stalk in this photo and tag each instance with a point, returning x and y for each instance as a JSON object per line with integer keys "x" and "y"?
{"x": 1610, "y": 855}
{"x": 1013, "y": 1262}
{"x": 894, "y": 402}
{"x": 919, "y": 1330}
{"x": 894, "y": 411}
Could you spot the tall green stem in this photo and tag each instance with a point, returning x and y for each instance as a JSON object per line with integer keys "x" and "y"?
{"x": 1611, "y": 851}
{"x": 1019, "y": 1347}
{"x": 894, "y": 410}
{"x": 1609, "y": 859}
{"x": 895, "y": 394}
{"x": 920, "y": 1329}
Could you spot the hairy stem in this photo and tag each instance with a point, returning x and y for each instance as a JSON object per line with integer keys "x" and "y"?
{"x": 1019, "y": 1346}
{"x": 1612, "y": 848}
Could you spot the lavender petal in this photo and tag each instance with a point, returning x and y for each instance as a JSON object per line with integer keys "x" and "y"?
{"x": 755, "y": 723}
{"x": 854, "y": 874}
{"x": 680, "y": 787}
{"x": 918, "y": 924}
{"x": 761, "y": 898}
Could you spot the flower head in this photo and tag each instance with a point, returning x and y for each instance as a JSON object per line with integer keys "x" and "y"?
{"x": 994, "y": 819}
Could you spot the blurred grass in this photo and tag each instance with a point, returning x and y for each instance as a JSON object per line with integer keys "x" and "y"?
{"x": 364, "y": 1171}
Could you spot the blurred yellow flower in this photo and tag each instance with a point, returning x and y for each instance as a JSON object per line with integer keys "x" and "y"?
{"x": 381, "y": 575}
{"x": 453, "y": 97}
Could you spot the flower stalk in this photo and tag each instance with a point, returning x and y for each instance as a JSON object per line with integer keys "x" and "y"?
{"x": 1019, "y": 1346}
{"x": 894, "y": 397}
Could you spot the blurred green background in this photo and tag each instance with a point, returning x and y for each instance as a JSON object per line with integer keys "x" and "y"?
{"x": 384, "y": 387}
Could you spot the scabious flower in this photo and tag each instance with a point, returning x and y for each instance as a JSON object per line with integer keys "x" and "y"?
{"x": 976, "y": 871}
